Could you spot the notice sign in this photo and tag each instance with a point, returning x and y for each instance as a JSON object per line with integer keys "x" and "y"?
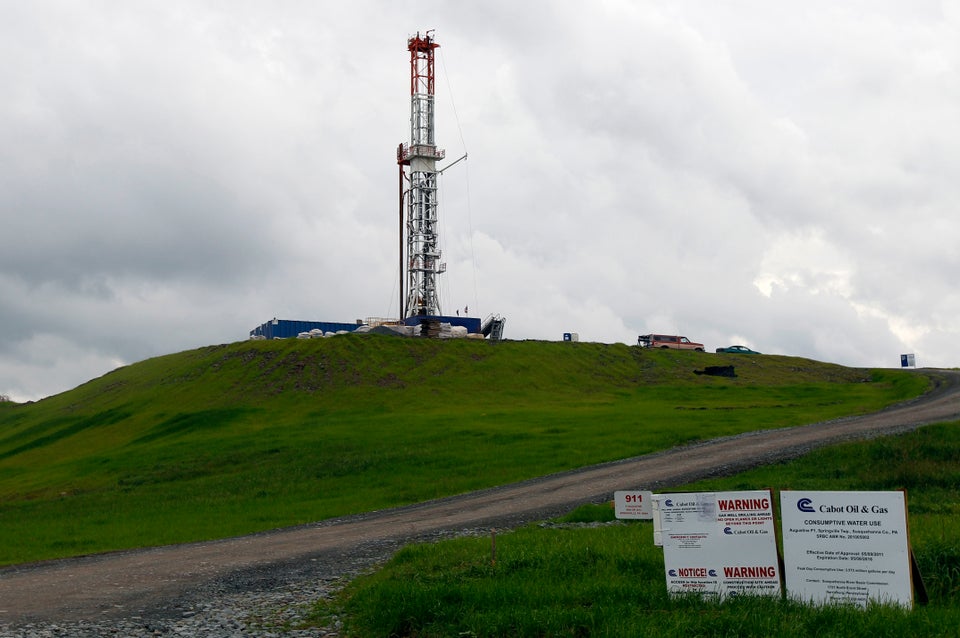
{"x": 719, "y": 543}
{"x": 633, "y": 504}
{"x": 846, "y": 547}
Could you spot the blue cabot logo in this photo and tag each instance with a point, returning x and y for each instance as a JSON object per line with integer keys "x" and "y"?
{"x": 727, "y": 530}
{"x": 668, "y": 502}
{"x": 805, "y": 505}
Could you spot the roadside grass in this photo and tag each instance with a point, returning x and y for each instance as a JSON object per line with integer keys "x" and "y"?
{"x": 232, "y": 439}
{"x": 574, "y": 577}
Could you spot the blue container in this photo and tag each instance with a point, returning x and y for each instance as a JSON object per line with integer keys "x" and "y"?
{"x": 287, "y": 329}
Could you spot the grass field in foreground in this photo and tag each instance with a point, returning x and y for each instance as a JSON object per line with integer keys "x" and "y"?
{"x": 558, "y": 580}
{"x": 227, "y": 440}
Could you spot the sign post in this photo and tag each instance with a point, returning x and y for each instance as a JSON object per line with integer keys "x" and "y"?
{"x": 846, "y": 547}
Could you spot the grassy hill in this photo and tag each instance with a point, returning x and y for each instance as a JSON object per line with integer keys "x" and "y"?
{"x": 567, "y": 579}
{"x": 231, "y": 439}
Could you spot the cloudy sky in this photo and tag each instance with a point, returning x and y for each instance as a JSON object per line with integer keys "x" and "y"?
{"x": 784, "y": 175}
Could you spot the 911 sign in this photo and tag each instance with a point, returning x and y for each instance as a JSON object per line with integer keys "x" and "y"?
{"x": 633, "y": 504}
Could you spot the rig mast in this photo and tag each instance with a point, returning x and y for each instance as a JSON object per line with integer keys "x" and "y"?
{"x": 422, "y": 264}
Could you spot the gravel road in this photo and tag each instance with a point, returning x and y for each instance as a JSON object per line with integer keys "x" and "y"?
{"x": 253, "y": 585}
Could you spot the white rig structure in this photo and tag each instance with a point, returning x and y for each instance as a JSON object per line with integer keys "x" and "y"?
{"x": 422, "y": 264}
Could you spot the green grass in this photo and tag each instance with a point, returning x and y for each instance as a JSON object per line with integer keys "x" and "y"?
{"x": 925, "y": 463}
{"x": 232, "y": 439}
{"x": 567, "y": 579}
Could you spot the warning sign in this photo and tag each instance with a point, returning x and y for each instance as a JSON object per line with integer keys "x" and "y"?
{"x": 719, "y": 543}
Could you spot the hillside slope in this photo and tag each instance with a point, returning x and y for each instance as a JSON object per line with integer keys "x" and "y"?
{"x": 230, "y": 439}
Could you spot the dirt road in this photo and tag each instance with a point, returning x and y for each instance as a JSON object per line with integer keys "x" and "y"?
{"x": 145, "y": 582}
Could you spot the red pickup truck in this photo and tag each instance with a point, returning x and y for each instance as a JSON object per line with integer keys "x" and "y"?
{"x": 675, "y": 342}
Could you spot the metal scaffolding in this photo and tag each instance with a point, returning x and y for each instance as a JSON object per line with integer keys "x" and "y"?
{"x": 418, "y": 187}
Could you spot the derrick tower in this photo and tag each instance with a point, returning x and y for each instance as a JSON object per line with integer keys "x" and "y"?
{"x": 418, "y": 186}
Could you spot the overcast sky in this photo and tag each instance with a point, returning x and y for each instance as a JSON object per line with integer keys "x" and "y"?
{"x": 784, "y": 175}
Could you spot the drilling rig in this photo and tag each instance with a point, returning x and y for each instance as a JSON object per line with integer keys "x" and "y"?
{"x": 418, "y": 186}
{"x": 419, "y": 250}
{"x": 420, "y": 256}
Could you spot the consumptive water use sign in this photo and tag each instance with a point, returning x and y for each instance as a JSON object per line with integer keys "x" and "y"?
{"x": 846, "y": 547}
{"x": 719, "y": 543}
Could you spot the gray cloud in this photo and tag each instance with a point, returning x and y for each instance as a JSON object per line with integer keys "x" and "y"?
{"x": 176, "y": 173}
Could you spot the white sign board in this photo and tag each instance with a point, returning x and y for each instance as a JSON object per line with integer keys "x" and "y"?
{"x": 846, "y": 547}
{"x": 719, "y": 543}
{"x": 657, "y": 529}
{"x": 633, "y": 504}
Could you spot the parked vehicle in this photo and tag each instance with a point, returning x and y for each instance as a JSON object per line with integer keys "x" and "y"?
{"x": 675, "y": 342}
{"x": 737, "y": 350}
